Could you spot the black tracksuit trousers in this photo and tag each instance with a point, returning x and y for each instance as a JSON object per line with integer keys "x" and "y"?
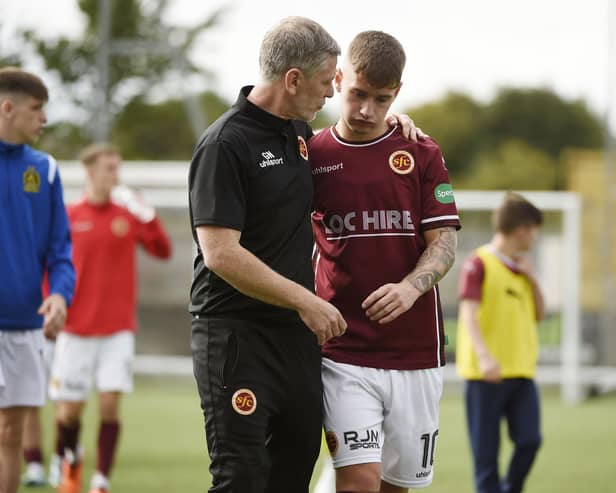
{"x": 261, "y": 395}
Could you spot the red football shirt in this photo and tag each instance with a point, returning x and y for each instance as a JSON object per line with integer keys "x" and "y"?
{"x": 105, "y": 238}
{"x": 372, "y": 202}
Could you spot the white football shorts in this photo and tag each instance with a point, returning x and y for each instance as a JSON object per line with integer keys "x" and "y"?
{"x": 385, "y": 416}
{"x": 22, "y": 369}
{"x": 49, "y": 347}
{"x": 79, "y": 361}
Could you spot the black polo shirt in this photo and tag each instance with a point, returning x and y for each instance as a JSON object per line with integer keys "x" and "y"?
{"x": 250, "y": 172}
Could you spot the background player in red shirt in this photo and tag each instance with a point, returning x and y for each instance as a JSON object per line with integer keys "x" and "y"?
{"x": 97, "y": 342}
{"x": 385, "y": 228}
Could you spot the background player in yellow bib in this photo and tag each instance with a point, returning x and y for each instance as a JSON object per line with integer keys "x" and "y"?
{"x": 497, "y": 346}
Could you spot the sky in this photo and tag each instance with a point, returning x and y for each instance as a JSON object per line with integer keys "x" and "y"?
{"x": 473, "y": 46}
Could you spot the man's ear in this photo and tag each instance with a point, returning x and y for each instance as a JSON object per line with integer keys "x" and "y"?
{"x": 338, "y": 80}
{"x": 292, "y": 80}
{"x": 6, "y": 106}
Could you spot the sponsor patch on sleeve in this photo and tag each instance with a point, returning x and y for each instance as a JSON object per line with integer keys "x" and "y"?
{"x": 444, "y": 193}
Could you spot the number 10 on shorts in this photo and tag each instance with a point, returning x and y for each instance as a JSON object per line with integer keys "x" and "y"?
{"x": 429, "y": 446}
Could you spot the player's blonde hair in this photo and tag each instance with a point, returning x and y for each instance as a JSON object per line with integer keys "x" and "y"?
{"x": 90, "y": 154}
{"x": 15, "y": 81}
{"x": 296, "y": 42}
{"x": 379, "y": 57}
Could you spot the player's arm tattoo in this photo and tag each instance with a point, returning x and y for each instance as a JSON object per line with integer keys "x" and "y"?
{"x": 435, "y": 261}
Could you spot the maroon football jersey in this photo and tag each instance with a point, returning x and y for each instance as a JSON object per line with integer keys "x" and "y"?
{"x": 372, "y": 202}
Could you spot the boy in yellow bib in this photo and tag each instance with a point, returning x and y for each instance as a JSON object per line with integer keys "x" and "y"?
{"x": 497, "y": 346}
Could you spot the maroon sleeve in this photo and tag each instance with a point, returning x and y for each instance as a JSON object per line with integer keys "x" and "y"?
{"x": 438, "y": 204}
{"x": 471, "y": 279}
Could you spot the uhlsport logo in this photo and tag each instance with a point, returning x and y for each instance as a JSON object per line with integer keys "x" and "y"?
{"x": 244, "y": 401}
{"x": 303, "y": 148}
{"x": 401, "y": 162}
{"x": 327, "y": 168}
{"x": 269, "y": 159}
{"x": 444, "y": 193}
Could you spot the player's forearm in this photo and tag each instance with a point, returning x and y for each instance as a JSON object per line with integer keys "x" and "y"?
{"x": 435, "y": 261}
{"x": 538, "y": 299}
{"x": 468, "y": 313}
{"x": 155, "y": 240}
{"x": 60, "y": 269}
{"x": 252, "y": 277}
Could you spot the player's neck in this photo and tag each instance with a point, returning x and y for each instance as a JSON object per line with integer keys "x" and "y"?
{"x": 348, "y": 134}
{"x": 505, "y": 246}
{"x": 269, "y": 98}
{"x": 97, "y": 197}
{"x": 9, "y": 137}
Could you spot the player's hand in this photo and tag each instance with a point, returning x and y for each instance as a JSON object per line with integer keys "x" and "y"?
{"x": 388, "y": 302}
{"x": 525, "y": 266}
{"x": 409, "y": 130}
{"x": 490, "y": 369}
{"x": 130, "y": 199}
{"x": 53, "y": 310}
{"x": 322, "y": 318}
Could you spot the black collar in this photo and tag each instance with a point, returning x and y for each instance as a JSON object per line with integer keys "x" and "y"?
{"x": 259, "y": 114}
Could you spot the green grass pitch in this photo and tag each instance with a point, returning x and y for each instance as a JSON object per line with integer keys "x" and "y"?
{"x": 162, "y": 445}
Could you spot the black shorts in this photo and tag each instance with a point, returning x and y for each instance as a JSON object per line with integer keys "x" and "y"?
{"x": 261, "y": 395}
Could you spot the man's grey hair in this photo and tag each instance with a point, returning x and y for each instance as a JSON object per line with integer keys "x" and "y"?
{"x": 296, "y": 42}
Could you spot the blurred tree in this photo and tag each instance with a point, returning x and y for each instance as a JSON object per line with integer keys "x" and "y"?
{"x": 473, "y": 135}
{"x": 146, "y": 54}
{"x": 512, "y": 165}
{"x": 63, "y": 140}
{"x": 324, "y": 119}
{"x": 455, "y": 123}
{"x": 543, "y": 119}
{"x": 161, "y": 131}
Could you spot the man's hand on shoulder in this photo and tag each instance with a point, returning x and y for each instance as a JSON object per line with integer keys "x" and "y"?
{"x": 525, "y": 266}
{"x": 53, "y": 310}
{"x": 409, "y": 130}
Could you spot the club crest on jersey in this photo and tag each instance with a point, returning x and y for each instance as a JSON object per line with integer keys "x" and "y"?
{"x": 401, "y": 162}
{"x": 303, "y": 148}
{"x": 32, "y": 180}
{"x": 244, "y": 402}
{"x": 332, "y": 442}
{"x": 119, "y": 226}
